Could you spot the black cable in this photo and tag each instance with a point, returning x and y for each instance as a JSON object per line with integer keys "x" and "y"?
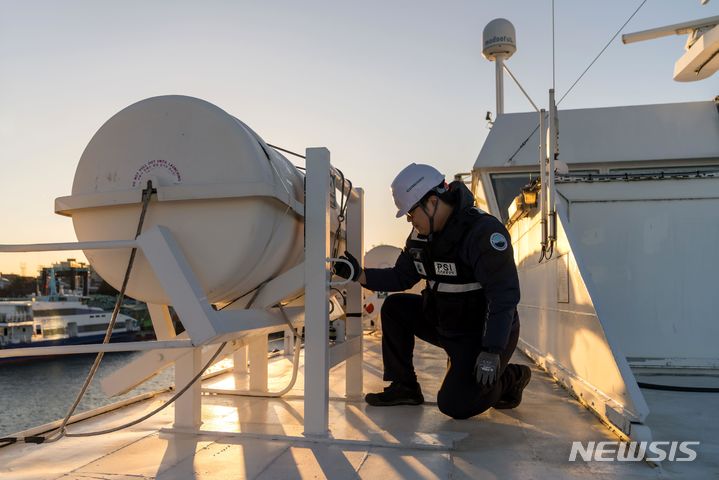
{"x": 340, "y": 217}
{"x": 255, "y": 291}
{"x": 580, "y": 76}
{"x": 602, "y": 51}
{"x": 344, "y": 298}
{"x": 676, "y": 388}
{"x": 170, "y": 401}
{"x": 521, "y": 146}
{"x": 344, "y": 202}
{"x": 177, "y": 395}
{"x": 551, "y": 250}
{"x": 285, "y": 150}
{"x": 146, "y": 195}
{"x": 59, "y": 432}
{"x": 39, "y": 439}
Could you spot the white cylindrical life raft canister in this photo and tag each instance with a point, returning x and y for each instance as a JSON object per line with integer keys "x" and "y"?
{"x": 225, "y": 196}
{"x": 381, "y": 256}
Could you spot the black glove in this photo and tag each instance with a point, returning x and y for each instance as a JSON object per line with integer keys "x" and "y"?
{"x": 486, "y": 368}
{"x": 341, "y": 269}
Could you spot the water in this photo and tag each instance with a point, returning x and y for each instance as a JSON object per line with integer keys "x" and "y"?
{"x": 39, "y": 392}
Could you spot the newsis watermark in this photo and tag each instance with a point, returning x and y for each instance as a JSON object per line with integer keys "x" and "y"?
{"x": 616, "y": 451}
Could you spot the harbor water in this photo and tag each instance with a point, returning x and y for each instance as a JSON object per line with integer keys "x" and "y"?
{"x": 38, "y": 392}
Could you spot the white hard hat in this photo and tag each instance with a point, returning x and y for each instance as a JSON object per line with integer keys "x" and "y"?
{"x": 413, "y": 183}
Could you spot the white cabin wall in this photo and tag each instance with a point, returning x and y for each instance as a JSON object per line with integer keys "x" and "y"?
{"x": 561, "y": 331}
{"x": 480, "y": 196}
{"x": 651, "y": 248}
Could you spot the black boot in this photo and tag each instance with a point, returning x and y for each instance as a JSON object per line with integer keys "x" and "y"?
{"x": 396, "y": 394}
{"x": 512, "y": 397}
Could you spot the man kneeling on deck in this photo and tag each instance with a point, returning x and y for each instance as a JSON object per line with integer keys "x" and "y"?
{"x": 469, "y": 304}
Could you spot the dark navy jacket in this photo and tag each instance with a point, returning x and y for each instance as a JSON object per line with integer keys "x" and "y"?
{"x": 473, "y": 247}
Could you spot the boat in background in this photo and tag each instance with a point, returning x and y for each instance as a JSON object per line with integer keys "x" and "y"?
{"x": 59, "y": 319}
{"x": 16, "y": 322}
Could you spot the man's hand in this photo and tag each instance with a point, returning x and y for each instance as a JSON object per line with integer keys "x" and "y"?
{"x": 341, "y": 269}
{"x": 486, "y": 368}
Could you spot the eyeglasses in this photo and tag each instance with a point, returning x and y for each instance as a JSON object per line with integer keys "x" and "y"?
{"x": 409, "y": 212}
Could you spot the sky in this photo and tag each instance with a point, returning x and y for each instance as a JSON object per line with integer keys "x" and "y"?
{"x": 381, "y": 84}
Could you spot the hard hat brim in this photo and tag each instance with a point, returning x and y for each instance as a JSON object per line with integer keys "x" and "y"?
{"x": 403, "y": 212}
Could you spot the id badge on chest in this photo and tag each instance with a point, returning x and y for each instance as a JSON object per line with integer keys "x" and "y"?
{"x": 416, "y": 254}
{"x": 447, "y": 269}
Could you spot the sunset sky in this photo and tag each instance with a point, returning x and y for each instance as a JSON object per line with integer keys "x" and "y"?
{"x": 379, "y": 83}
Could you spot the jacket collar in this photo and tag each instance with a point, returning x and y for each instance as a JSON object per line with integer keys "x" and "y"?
{"x": 453, "y": 229}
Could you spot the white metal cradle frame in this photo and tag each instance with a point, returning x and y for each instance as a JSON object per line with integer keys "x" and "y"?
{"x": 242, "y": 326}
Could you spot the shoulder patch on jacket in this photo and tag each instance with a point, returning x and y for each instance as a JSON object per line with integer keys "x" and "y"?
{"x": 498, "y": 242}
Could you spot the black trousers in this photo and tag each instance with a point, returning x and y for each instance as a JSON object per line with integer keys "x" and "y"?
{"x": 459, "y": 396}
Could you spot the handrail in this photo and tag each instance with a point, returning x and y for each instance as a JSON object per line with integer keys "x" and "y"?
{"x": 94, "y": 348}
{"x": 55, "y": 247}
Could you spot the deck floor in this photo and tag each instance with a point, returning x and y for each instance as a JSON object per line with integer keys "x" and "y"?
{"x": 532, "y": 441}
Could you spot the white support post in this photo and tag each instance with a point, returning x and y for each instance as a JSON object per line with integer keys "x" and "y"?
{"x": 317, "y": 249}
{"x": 355, "y": 245}
{"x": 188, "y": 408}
{"x": 161, "y": 321}
{"x": 289, "y": 342}
{"x": 239, "y": 360}
{"x": 258, "y": 349}
{"x": 499, "y": 74}
{"x": 179, "y": 281}
{"x": 340, "y": 331}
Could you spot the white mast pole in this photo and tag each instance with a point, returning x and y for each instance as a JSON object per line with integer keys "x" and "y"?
{"x": 498, "y": 44}
{"x": 552, "y": 154}
{"x": 543, "y": 177}
{"x": 499, "y": 73}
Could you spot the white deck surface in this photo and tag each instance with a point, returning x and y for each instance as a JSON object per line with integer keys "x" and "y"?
{"x": 532, "y": 441}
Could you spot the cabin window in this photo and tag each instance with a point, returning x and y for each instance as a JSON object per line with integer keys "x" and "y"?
{"x": 507, "y": 186}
